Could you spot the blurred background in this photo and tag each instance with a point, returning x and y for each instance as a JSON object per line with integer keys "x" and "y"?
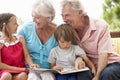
{"x": 108, "y": 10}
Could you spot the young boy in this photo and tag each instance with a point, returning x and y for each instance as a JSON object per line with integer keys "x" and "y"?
{"x": 64, "y": 55}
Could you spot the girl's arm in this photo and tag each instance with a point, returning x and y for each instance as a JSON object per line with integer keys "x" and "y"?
{"x": 5, "y": 66}
{"x": 26, "y": 54}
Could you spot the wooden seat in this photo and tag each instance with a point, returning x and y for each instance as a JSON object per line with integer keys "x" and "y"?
{"x": 115, "y": 34}
{"x": 116, "y": 41}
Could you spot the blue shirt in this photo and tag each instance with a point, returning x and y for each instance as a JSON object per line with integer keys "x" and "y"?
{"x": 38, "y": 52}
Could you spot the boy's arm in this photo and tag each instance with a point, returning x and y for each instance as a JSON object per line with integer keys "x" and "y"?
{"x": 53, "y": 66}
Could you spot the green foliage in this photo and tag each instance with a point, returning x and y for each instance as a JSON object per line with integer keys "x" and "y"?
{"x": 111, "y": 13}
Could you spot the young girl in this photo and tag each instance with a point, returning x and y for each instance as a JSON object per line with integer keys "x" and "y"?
{"x": 64, "y": 55}
{"x": 13, "y": 51}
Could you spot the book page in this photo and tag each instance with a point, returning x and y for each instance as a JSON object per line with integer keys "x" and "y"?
{"x": 65, "y": 71}
{"x": 68, "y": 71}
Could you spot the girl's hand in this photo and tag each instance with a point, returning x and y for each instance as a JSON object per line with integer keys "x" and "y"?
{"x": 34, "y": 66}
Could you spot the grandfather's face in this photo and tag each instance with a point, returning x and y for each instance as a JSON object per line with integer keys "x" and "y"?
{"x": 71, "y": 17}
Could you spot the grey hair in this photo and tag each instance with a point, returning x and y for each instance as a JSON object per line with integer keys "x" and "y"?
{"x": 75, "y": 4}
{"x": 44, "y": 8}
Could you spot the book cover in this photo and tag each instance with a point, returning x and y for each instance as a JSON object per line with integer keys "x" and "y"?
{"x": 65, "y": 71}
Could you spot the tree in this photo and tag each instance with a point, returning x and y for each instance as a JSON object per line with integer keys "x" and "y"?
{"x": 111, "y": 13}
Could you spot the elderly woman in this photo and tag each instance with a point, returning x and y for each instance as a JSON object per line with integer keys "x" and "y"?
{"x": 39, "y": 37}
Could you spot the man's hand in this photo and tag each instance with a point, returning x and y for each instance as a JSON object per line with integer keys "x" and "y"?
{"x": 79, "y": 63}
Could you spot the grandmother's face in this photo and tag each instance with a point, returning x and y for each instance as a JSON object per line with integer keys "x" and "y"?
{"x": 39, "y": 20}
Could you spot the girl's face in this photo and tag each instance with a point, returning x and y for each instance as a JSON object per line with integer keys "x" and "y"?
{"x": 12, "y": 25}
{"x": 64, "y": 44}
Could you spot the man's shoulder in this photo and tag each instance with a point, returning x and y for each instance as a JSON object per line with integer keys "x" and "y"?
{"x": 98, "y": 24}
{"x": 98, "y": 20}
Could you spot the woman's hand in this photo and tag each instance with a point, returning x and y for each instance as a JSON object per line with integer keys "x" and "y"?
{"x": 79, "y": 63}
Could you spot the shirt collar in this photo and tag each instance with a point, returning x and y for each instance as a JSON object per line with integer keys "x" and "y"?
{"x": 92, "y": 24}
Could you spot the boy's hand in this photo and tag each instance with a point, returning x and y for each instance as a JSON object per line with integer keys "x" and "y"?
{"x": 58, "y": 68}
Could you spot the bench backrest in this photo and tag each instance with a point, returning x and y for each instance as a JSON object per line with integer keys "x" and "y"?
{"x": 116, "y": 41}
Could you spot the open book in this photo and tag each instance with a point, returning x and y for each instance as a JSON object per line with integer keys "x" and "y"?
{"x": 65, "y": 71}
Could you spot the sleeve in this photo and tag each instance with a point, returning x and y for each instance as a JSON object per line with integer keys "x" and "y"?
{"x": 105, "y": 43}
{"x": 79, "y": 51}
{"x": 52, "y": 56}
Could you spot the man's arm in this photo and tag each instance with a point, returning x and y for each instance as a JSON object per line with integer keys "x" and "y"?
{"x": 102, "y": 63}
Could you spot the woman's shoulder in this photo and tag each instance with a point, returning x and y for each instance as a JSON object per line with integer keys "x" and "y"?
{"x": 26, "y": 28}
{"x": 27, "y": 25}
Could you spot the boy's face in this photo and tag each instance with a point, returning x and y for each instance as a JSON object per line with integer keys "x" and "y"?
{"x": 64, "y": 44}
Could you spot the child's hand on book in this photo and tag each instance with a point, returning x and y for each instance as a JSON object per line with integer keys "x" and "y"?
{"x": 34, "y": 66}
{"x": 60, "y": 68}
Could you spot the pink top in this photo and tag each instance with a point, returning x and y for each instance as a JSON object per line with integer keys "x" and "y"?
{"x": 12, "y": 54}
{"x": 97, "y": 40}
